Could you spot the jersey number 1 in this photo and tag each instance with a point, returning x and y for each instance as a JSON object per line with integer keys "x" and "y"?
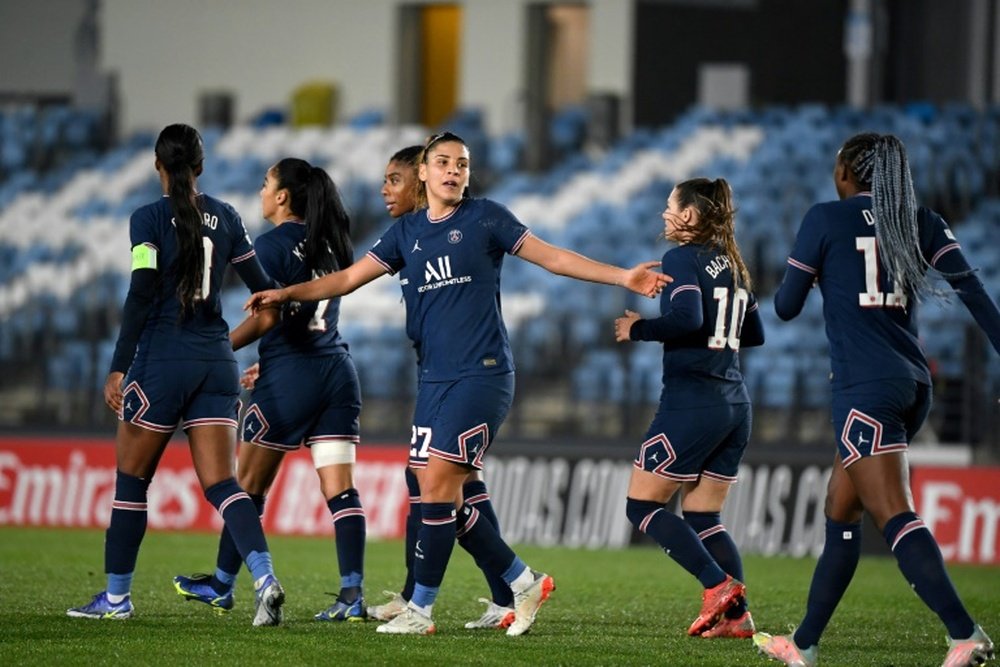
{"x": 206, "y": 271}
{"x": 735, "y": 318}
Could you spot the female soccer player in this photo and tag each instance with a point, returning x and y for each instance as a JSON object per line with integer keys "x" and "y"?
{"x": 307, "y": 391}
{"x": 181, "y": 371}
{"x": 449, "y": 257}
{"x": 702, "y": 426}
{"x": 400, "y": 193}
{"x": 869, "y": 252}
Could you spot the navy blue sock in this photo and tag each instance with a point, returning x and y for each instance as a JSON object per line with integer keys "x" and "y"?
{"x": 243, "y": 524}
{"x": 125, "y": 531}
{"x": 412, "y": 528}
{"x": 477, "y": 496}
{"x": 349, "y": 529}
{"x": 676, "y": 538}
{"x": 229, "y": 561}
{"x": 833, "y": 573}
{"x": 435, "y": 542}
{"x": 718, "y": 543}
{"x": 920, "y": 560}
{"x": 493, "y": 556}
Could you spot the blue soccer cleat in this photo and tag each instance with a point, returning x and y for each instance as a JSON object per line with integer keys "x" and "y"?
{"x": 198, "y": 587}
{"x": 100, "y": 607}
{"x": 344, "y": 611}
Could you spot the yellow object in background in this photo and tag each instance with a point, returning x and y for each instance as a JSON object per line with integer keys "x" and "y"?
{"x": 314, "y": 103}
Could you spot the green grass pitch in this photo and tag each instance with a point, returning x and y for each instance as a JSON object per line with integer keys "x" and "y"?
{"x": 628, "y": 607}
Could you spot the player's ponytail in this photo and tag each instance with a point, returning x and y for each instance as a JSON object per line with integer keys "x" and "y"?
{"x": 879, "y": 164}
{"x": 180, "y": 153}
{"x": 313, "y": 197}
{"x": 716, "y": 221}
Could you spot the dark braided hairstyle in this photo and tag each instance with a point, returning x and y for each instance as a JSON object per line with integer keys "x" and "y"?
{"x": 716, "y": 226}
{"x": 179, "y": 151}
{"x": 313, "y": 197}
{"x": 879, "y": 164}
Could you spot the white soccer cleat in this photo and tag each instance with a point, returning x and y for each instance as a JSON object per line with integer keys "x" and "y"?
{"x": 975, "y": 650}
{"x": 389, "y": 610}
{"x": 528, "y": 601}
{"x": 270, "y": 596}
{"x": 784, "y": 649}
{"x": 410, "y": 622}
{"x": 495, "y": 616}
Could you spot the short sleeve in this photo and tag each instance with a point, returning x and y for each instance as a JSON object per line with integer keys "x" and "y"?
{"x": 386, "y": 250}
{"x": 506, "y": 230}
{"x": 276, "y": 262}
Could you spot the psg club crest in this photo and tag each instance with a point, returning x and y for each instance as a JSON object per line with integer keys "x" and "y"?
{"x": 454, "y": 236}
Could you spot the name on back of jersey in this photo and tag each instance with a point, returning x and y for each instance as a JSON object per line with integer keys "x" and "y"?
{"x": 717, "y": 265}
{"x": 207, "y": 219}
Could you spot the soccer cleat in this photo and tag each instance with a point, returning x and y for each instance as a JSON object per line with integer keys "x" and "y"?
{"x": 197, "y": 587}
{"x": 410, "y": 622}
{"x": 495, "y": 616}
{"x": 975, "y": 650}
{"x": 740, "y": 628}
{"x": 270, "y": 596}
{"x": 389, "y": 610}
{"x": 783, "y": 649}
{"x": 528, "y": 601}
{"x": 714, "y": 603}
{"x": 344, "y": 611}
{"x": 100, "y": 607}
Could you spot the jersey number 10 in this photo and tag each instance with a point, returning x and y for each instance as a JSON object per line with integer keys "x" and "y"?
{"x": 734, "y": 317}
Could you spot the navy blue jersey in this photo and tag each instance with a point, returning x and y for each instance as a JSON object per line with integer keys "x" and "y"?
{"x": 449, "y": 270}
{"x": 870, "y": 322}
{"x": 704, "y": 320}
{"x": 201, "y": 334}
{"x": 309, "y": 327}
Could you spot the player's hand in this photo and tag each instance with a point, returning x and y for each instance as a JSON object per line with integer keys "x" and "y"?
{"x": 623, "y": 326}
{"x": 260, "y": 300}
{"x": 113, "y": 391}
{"x": 642, "y": 279}
{"x": 249, "y": 377}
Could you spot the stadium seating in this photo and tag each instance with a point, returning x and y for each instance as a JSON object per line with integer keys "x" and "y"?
{"x": 64, "y": 218}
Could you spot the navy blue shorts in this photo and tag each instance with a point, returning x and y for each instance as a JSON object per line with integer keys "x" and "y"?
{"x": 683, "y": 445}
{"x": 457, "y": 420}
{"x": 160, "y": 395}
{"x": 875, "y": 418}
{"x": 303, "y": 400}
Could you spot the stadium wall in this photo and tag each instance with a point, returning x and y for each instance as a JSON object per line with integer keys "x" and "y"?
{"x": 247, "y": 49}
{"x": 544, "y": 496}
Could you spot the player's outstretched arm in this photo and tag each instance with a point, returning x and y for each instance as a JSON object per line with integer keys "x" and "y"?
{"x": 641, "y": 279}
{"x": 329, "y": 286}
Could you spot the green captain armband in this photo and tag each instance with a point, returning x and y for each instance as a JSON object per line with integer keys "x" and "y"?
{"x": 143, "y": 257}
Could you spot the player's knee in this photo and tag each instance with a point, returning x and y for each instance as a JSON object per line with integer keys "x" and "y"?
{"x": 332, "y": 452}
{"x": 637, "y": 511}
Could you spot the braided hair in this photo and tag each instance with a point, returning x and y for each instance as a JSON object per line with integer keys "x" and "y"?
{"x": 878, "y": 163}
{"x": 314, "y": 197}
{"x": 179, "y": 151}
{"x": 716, "y": 226}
